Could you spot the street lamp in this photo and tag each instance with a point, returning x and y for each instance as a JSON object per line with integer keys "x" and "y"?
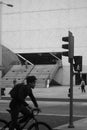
{"x": 1, "y": 3}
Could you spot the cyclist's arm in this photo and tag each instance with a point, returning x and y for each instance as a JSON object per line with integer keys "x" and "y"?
{"x": 33, "y": 98}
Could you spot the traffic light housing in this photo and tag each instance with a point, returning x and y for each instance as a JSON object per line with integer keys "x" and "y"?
{"x": 78, "y": 63}
{"x": 69, "y": 45}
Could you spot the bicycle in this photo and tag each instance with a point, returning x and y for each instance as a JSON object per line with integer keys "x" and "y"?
{"x": 35, "y": 124}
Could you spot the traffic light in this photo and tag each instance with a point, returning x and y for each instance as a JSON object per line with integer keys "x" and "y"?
{"x": 69, "y": 45}
{"x": 78, "y": 63}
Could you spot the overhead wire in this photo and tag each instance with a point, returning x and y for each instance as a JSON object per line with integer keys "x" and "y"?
{"x": 49, "y": 10}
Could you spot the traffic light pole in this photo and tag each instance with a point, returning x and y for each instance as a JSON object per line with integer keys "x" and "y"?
{"x": 71, "y": 94}
{"x": 70, "y": 54}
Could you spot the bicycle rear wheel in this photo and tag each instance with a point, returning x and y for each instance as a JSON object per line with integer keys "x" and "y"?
{"x": 40, "y": 126}
{"x": 3, "y": 125}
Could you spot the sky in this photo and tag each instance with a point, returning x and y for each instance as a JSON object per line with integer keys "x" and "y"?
{"x": 39, "y": 25}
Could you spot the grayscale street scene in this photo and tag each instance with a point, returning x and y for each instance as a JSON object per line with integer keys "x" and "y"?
{"x": 43, "y": 64}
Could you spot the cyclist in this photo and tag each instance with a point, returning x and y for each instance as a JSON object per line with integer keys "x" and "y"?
{"x": 20, "y": 105}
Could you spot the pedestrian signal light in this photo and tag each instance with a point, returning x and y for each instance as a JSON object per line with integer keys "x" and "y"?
{"x": 78, "y": 63}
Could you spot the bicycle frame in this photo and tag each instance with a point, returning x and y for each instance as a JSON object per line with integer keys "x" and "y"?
{"x": 22, "y": 125}
{"x": 35, "y": 124}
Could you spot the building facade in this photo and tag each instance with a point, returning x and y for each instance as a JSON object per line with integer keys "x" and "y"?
{"x": 33, "y": 26}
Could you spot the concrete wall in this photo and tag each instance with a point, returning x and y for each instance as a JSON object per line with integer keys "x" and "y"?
{"x": 8, "y": 59}
{"x": 59, "y": 75}
{"x": 66, "y": 75}
{"x": 63, "y": 76}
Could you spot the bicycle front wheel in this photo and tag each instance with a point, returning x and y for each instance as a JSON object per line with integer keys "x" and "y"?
{"x": 40, "y": 126}
{"x": 3, "y": 125}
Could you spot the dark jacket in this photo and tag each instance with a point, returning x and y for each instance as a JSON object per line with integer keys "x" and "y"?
{"x": 24, "y": 91}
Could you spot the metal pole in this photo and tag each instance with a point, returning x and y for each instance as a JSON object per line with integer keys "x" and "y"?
{"x": 0, "y": 46}
{"x": 71, "y": 94}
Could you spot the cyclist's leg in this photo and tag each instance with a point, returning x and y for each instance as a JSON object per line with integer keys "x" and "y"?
{"x": 14, "y": 106}
{"x": 14, "y": 116}
{"x": 26, "y": 112}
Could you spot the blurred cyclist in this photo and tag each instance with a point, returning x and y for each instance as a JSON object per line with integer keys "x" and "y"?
{"x": 19, "y": 104}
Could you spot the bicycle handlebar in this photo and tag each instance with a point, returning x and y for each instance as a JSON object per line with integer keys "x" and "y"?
{"x": 34, "y": 111}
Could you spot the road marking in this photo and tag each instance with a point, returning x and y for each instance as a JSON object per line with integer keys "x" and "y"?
{"x": 51, "y": 114}
{"x": 48, "y": 114}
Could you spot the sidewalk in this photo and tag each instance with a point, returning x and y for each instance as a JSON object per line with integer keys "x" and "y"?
{"x": 60, "y": 92}
{"x": 56, "y": 92}
{"x": 78, "y": 125}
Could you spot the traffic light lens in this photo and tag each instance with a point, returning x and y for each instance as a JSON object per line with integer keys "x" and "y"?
{"x": 65, "y": 46}
{"x": 65, "y": 39}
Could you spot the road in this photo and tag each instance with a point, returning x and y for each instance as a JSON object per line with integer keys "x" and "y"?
{"x": 54, "y": 113}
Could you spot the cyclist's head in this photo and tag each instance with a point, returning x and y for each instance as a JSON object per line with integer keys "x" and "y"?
{"x": 31, "y": 80}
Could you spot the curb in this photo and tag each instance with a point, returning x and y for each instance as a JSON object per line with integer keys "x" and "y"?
{"x": 51, "y": 99}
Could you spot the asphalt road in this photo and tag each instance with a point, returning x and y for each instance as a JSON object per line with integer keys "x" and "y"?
{"x": 54, "y": 113}
{"x": 53, "y": 120}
